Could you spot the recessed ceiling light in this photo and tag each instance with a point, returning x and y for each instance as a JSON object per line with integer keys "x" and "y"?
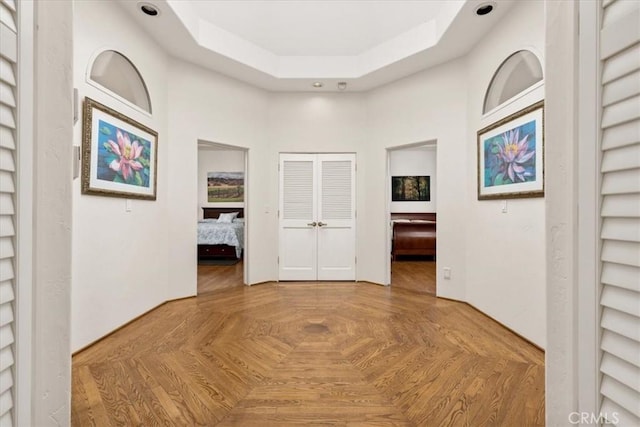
{"x": 485, "y": 8}
{"x": 342, "y": 85}
{"x": 148, "y": 9}
{"x": 317, "y": 84}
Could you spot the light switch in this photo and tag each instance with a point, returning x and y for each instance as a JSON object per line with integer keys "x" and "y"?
{"x": 127, "y": 205}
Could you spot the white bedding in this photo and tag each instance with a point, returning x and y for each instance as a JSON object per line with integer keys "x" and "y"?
{"x": 211, "y": 232}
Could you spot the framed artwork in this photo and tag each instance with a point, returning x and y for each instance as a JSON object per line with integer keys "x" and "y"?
{"x": 410, "y": 189}
{"x": 225, "y": 187}
{"x": 119, "y": 155}
{"x": 511, "y": 156}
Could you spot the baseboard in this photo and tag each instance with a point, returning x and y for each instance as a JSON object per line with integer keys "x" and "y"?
{"x": 495, "y": 321}
{"x": 128, "y": 323}
{"x": 371, "y": 283}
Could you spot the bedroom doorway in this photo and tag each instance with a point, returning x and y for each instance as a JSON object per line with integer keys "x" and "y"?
{"x": 412, "y": 216}
{"x": 222, "y": 216}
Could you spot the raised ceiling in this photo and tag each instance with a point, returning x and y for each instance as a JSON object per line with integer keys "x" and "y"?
{"x": 288, "y": 45}
{"x": 317, "y": 28}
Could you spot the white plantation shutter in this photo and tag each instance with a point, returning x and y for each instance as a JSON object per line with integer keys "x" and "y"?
{"x": 297, "y": 190}
{"x": 620, "y": 212}
{"x": 336, "y": 190}
{"x": 8, "y": 118}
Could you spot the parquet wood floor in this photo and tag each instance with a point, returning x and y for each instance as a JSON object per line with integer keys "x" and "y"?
{"x": 333, "y": 354}
{"x": 414, "y": 275}
{"x": 216, "y": 277}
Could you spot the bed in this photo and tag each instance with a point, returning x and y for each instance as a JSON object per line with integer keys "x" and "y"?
{"x": 220, "y": 239}
{"x": 413, "y": 234}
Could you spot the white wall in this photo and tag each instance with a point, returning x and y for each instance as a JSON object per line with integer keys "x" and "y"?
{"x": 405, "y": 113}
{"x": 505, "y": 252}
{"x": 44, "y": 365}
{"x": 565, "y": 356}
{"x": 120, "y": 259}
{"x": 318, "y": 123}
{"x": 506, "y": 285}
{"x": 418, "y": 161}
{"x": 216, "y": 160}
{"x": 207, "y": 106}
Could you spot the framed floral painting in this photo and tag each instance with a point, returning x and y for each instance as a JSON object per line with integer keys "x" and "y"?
{"x": 119, "y": 155}
{"x": 511, "y": 156}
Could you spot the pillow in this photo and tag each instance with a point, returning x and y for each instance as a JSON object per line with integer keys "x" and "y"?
{"x": 238, "y": 220}
{"x": 227, "y": 217}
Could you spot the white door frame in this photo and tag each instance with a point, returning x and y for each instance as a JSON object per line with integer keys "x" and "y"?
{"x": 246, "y": 249}
{"x": 25, "y": 202}
{"x": 389, "y": 231}
{"x": 588, "y": 158}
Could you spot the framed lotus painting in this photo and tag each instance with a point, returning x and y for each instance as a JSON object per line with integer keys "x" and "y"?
{"x": 511, "y": 156}
{"x": 119, "y": 155}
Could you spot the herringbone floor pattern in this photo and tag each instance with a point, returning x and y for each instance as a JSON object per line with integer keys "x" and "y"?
{"x": 339, "y": 354}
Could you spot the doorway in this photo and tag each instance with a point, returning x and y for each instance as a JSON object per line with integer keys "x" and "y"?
{"x": 222, "y": 189}
{"x": 412, "y": 217}
{"x": 317, "y": 217}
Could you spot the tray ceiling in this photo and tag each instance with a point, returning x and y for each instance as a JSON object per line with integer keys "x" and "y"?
{"x": 288, "y": 45}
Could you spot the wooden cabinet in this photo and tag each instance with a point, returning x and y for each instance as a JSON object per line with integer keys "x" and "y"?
{"x": 413, "y": 234}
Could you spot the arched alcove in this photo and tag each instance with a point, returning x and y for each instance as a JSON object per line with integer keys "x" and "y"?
{"x": 518, "y": 72}
{"x": 116, "y": 73}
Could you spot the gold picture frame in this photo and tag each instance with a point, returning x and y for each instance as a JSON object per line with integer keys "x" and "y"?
{"x": 511, "y": 156}
{"x": 119, "y": 154}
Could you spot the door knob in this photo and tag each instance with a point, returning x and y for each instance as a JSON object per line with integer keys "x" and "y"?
{"x": 312, "y": 224}
{"x": 320, "y": 224}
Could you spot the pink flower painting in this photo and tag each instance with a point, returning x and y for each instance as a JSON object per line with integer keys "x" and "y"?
{"x": 124, "y": 159}
{"x": 127, "y": 154}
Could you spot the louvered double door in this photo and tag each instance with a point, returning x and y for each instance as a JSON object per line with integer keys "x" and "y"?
{"x": 317, "y": 217}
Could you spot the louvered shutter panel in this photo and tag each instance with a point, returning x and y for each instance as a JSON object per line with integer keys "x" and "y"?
{"x": 336, "y": 190}
{"x": 297, "y": 190}
{"x": 8, "y": 116}
{"x": 620, "y": 212}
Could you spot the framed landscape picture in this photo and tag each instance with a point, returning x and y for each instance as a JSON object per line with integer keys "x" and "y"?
{"x": 410, "y": 189}
{"x": 511, "y": 156}
{"x": 119, "y": 155}
{"x": 224, "y": 187}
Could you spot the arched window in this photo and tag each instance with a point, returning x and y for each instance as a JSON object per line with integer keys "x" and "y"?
{"x": 518, "y": 72}
{"x": 115, "y": 72}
